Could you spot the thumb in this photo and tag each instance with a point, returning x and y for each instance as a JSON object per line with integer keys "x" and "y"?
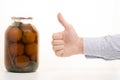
{"x": 63, "y": 21}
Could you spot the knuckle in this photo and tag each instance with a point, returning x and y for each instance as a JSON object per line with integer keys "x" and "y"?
{"x": 53, "y": 48}
{"x": 52, "y": 42}
{"x": 53, "y": 35}
{"x": 59, "y": 53}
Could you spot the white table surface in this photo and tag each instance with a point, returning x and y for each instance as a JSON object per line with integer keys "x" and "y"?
{"x": 68, "y": 69}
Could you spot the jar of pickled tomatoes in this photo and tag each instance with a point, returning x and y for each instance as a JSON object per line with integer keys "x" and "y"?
{"x": 21, "y": 46}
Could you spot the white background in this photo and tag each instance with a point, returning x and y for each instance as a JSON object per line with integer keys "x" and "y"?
{"x": 90, "y": 18}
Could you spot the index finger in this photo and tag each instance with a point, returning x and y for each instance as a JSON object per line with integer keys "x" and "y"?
{"x": 57, "y": 36}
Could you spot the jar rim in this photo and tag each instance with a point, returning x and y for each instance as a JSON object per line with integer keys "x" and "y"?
{"x": 21, "y": 17}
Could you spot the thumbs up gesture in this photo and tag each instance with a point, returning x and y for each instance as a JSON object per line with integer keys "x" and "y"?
{"x": 67, "y": 42}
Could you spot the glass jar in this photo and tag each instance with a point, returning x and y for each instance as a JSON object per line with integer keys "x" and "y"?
{"x": 21, "y": 46}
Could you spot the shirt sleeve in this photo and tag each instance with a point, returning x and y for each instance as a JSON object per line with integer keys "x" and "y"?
{"x": 107, "y": 47}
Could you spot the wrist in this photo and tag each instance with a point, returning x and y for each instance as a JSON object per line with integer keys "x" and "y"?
{"x": 80, "y": 45}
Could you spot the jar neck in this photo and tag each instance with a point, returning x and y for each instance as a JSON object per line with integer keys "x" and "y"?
{"x": 25, "y": 20}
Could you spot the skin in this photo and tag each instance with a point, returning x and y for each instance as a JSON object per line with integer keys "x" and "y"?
{"x": 67, "y": 42}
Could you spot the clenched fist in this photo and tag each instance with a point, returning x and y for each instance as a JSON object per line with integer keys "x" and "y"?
{"x": 67, "y": 42}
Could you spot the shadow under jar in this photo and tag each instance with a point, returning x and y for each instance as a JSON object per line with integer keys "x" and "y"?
{"x": 21, "y": 46}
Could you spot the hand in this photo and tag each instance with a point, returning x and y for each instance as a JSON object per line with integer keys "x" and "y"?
{"x": 67, "y": 42}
